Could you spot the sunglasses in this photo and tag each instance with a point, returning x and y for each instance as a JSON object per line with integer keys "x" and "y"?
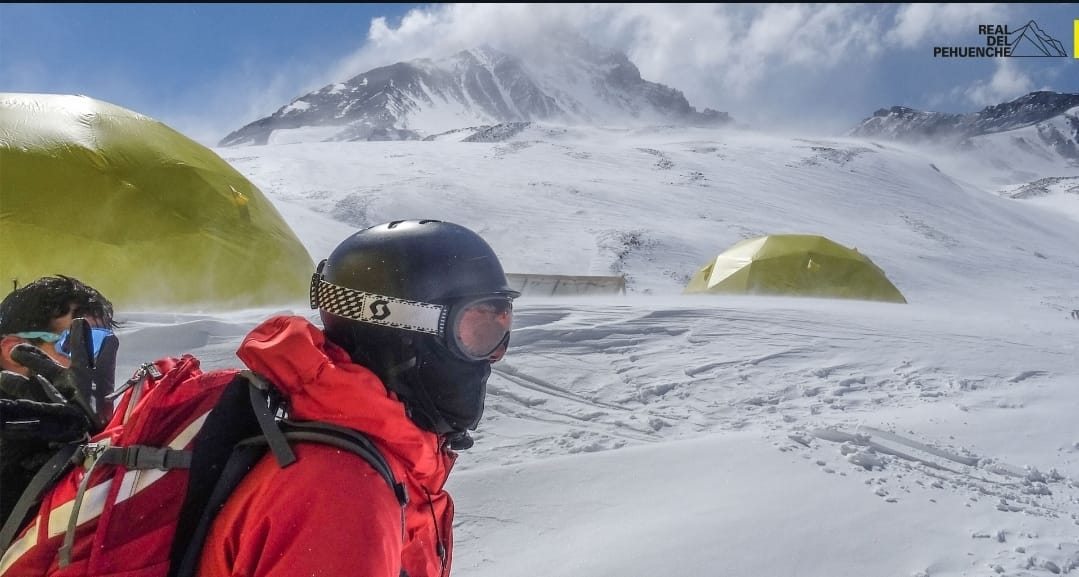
{"x": 63, "y": 344}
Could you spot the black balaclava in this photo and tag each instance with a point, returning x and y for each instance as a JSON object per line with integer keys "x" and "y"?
{"x": 441, "y": 392}
{"x": 456, "y": 388}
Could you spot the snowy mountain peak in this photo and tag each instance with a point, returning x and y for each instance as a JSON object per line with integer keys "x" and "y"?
{"x": 1040, "y": 124}
{"x": 483, "y": 55}
{"x": 576, "y": 83}
{"x": 902, "y": 123}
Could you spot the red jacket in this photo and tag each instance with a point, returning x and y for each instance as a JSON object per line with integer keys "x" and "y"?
{"x": 330, "y": 514}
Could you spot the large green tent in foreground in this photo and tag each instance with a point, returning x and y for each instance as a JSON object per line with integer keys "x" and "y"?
{"x": 146, "y": 215}
{"x": 794, "y": 265}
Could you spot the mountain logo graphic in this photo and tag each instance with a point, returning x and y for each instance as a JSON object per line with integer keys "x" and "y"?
{"x": 1001, "y": 41}
{"x": 1030, "y": 41}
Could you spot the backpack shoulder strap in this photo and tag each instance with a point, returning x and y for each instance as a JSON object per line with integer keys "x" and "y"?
{"x": 276, "y": 436}
{"x": 349, "y": 440}
{"x": 42, "y": 481}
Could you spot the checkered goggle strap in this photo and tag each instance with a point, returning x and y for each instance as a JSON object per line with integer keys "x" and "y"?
{"x": 377, "y": 309}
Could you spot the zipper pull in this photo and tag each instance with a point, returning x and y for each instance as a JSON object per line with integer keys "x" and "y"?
{"x": 145, "y": 370}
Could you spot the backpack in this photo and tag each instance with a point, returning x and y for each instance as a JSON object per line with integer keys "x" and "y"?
{"x": 139, "y": 498}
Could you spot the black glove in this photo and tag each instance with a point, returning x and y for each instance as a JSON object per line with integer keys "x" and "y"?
{"x": 86, "y": 382}
{"x": 17, "y": 387}
{"x": 32, "y": 409}
{"x": 35, "y": 420}
{"x": 23, "y": 420}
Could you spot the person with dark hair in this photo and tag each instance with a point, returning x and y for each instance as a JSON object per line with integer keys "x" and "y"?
{"x": 58, "y": 361}
{"x": 48, "y": 300}
{"x": 414, "y": 313}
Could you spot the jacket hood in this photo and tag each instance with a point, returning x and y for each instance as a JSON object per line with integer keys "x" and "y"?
{"x": 322, "y": 383}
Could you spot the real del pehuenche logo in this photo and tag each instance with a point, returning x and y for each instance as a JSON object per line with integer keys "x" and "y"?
{"x": 1027, "y": 41}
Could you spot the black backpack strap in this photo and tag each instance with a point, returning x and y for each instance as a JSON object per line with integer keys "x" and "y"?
{"x": 244, "y": 458}
{"x": 264, "y": 403}
{"x": 231, "y": 421}
{"x": 145, "y": 457}
{"x": 42, "y": 481}
{"x": 276, "y": 436}
{"x": 347, "y": 440}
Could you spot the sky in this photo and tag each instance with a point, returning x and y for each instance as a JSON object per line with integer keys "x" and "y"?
{"x": 209, "y": 69}
{"x": 657, "y": 433}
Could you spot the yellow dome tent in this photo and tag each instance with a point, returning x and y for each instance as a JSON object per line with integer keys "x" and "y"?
{"x": 144, "y": 214}
{"x": 797, "y": 265}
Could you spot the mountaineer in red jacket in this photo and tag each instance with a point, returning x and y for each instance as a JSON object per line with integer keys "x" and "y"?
{"x": 414, "y": 314}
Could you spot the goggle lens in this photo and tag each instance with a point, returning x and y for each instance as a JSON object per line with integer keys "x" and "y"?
{"x": 480, "y": 327}
{"x": 97, "y": 338}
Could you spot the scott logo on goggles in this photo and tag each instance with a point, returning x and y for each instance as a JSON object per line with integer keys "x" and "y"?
{"x": 380, "y": 309}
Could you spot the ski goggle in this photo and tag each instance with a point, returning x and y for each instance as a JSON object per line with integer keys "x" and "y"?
{"x": 63, "y": 342}
{"x": 473, "y": 328}
{"x": 479, "y": 327}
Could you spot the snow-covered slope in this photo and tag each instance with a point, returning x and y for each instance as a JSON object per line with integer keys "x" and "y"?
{"x": 656, "y": 204}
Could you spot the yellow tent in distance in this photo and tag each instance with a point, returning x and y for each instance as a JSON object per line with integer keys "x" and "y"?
{"x": 139, "y": 211}
{"x": 794, "y": 265}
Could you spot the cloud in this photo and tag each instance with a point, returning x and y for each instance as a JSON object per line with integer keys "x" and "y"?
{"x": 917, "y": 24}
{"x": 761, "y": 62}
{"x": 1007, "y": 83}
{"x": 719, "y": 56}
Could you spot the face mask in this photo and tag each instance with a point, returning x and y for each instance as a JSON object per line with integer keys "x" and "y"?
{"x": 455, "y": 389}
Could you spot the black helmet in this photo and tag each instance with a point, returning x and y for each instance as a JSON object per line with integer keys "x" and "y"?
{"x": 402, "y": 297}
